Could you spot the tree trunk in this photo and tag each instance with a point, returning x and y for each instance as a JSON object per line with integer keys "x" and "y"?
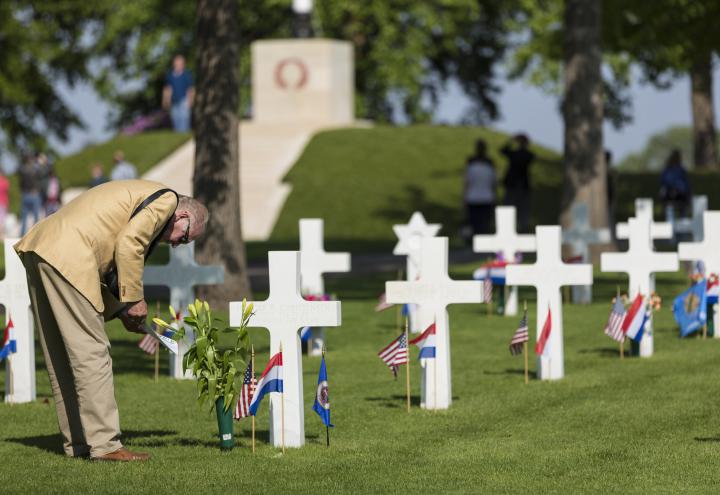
{"x": 585, "y": 167}
{"x": 703, "y": 115}
{"x": 216, "y": 179}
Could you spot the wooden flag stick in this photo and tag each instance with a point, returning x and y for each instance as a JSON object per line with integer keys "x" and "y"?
{"x": 407, "y": 367}
{"x": 525, "y": 349}
{"x": 252, "y": 379}
{"x": 9, "y": 377}
{"x": 282, "y": 412}
{"x": 327, "y": 428}
{"x": 157, "y": 349}
{"x": 622, "y": 342}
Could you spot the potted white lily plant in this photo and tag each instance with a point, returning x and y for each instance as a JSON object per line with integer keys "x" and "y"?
{"x": 217, "y": 369}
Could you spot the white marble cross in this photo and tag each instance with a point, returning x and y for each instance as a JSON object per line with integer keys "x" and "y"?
{"x": 410, "y": 238}
{"x": 548, "y": 274}
{"x": 508, "y": 242}
{"x": 644, "y": 209}
{"x": 314, "y": 261}
{"x": 694, "y": 224}
{"x": 641, "y": 263}
{"x": 580, "y": 236}
{"x": 181, "y": 275}
{"x": 284, "y": 313}
{"x": 14, "y": 295}
{"x": 707, "y": 251}
{"x": 433, "y": 291}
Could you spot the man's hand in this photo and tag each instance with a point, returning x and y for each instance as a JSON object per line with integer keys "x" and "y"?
{"x": 134, "y": 318}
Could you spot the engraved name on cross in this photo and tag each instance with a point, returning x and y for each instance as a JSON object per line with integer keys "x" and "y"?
{"x": 548, "y": 274}
{"x": 433, "y": 291}
{"x": 284, "y": 313}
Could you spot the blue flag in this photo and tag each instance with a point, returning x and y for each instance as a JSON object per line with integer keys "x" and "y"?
{"x": 322, "y": 401}
{"x": 690, "y": 309}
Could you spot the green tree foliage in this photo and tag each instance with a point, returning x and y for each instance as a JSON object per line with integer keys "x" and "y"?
{"x": 538, "y": 55}
{"x": 41, "y": 44}
{"x": 652, "y": 157}
{"x": 404, "y": 51}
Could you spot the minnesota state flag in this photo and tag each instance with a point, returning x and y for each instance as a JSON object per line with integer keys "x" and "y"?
{"x": 690, "y": 309}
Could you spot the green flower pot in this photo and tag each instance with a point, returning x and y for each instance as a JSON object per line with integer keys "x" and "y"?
{"x": 225, "y": 425}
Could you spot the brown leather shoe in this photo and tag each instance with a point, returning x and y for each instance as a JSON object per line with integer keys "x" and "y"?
{"x": 123, "y": 455}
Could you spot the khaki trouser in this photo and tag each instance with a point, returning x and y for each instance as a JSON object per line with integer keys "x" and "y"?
{"x": 77, "y": 353}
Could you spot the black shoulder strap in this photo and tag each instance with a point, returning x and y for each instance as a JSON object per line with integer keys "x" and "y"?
{"x": 150, "y": 199}
{"x": 146, "y": 202}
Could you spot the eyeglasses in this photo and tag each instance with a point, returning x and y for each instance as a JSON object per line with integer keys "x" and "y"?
{"x": 186, "y": 236}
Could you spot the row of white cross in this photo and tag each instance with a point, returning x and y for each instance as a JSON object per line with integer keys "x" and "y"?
{"x": 429, "y": 287}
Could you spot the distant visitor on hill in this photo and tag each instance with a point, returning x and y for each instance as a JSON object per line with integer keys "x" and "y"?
{"x": 516, "y": 181}
{"x": 479, "y": 194}
{"x": 178, "y": 94}
{"x": 30, "y": 198}
{"x": 122, "y": 170}
{"x": 675, "y": 187}
{"x": 97, "y": 175}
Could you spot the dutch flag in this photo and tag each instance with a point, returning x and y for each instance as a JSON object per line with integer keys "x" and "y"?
{"x": 713, "y": 289}
{"x": 426, "y": 342}
{"x": 9, "y": 346}
{"x": 270, "y": 381}
{"x": 634, "y": 322}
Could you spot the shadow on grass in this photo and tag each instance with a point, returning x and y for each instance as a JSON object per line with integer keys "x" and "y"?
{"x": 397, "y": 401}
{"x": 716, "y": 438}
{"x": 53, "y": 443}
{"x": 605, "y": 352}
{"x": 512, "y": 371}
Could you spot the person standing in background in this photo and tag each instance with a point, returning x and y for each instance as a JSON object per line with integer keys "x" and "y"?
{"x": 97, "y": 175}
{"x": 52, "y": 192}
{"x": 675, "y": 190}
{"x": 30, "y": 199}
{"x": 479, "y": 194}
{"x": 517, "y": 181}
{"x": 123, "y": 170}
{"x": 178, "y": 94}
{"x": 4, "y": 202}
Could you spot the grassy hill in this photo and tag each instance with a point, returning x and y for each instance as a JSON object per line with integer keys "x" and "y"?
{"x": 142, "y": 150}
{"x": 362, "y": 181}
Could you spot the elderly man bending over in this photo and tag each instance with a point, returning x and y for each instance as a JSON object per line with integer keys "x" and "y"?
{"x": 84, "y": 267}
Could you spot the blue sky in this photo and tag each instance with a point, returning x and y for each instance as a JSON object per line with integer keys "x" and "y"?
{"x": 523, "y": 107}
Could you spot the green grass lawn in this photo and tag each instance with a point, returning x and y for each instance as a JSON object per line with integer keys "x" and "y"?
{"x": 610, "y": 426}
{"x": 362, "y": 181}
{"x": 142, "y": 150}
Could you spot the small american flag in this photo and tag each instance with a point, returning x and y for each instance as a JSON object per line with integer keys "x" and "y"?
{"x": 149, "y": 344}
{"x": 519, "y": 337}
{"x": 487, "y": 289}
{"x": 613, "y": 329}
{"x": 242, "y": 408}
{"x": 396, "y": 353}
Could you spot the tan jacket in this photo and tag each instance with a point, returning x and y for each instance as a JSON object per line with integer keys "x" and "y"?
{"x": 86, "y": 236}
